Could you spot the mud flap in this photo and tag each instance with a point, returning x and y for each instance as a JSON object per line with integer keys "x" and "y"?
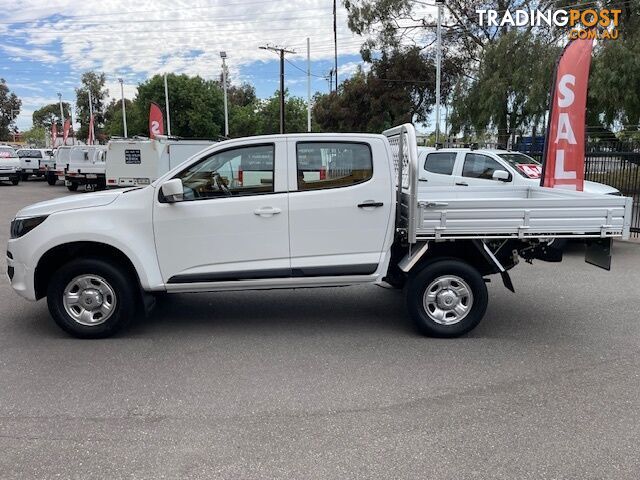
{"x": 598, "y": 253}
{"x": 506, "y": 279}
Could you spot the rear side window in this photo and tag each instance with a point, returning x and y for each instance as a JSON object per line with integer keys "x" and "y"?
{"x": 332, "y": 164}
{"x": 440, "y": 162}
{"x": 477, "y": 165}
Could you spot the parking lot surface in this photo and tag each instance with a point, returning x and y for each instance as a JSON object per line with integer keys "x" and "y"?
{"x": 330, "y": 383}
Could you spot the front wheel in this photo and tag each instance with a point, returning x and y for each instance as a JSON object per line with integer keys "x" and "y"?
{"x": 15, "y": 180}
{"x": 91, "y": 298}
{"x": 447, "y": 298}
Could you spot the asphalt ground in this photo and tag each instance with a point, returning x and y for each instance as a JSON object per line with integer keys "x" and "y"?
{"x": 330, "y": 383}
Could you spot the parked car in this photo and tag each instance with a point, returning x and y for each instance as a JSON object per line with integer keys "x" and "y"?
{"x": 10, "y": 170}
{"x": 464, "y": 167}
{"x": 87, "y": 166}
{"x": 34, "y": 161}
{"x": 99, "y": 258}
{"x": 61, "y": 163}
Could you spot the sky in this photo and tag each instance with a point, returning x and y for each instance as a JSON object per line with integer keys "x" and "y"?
{"x": 45, "y": 46}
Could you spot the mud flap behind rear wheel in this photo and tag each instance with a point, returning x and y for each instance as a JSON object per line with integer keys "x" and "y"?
{"x": 598, "y": 253}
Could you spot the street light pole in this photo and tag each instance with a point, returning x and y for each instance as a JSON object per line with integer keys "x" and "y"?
{"x": 124, "y": 108}
{"x": 166, "y": 101}
{"x": 223, "y": 55}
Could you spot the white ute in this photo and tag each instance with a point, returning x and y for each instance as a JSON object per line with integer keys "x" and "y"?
{"x": 202, "y": 228}
{"x": 34, "y": 161}
{"x": 87, "y": 166}
{"x": 10, "y": 170}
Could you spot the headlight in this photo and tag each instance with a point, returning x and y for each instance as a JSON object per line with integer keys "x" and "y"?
{"x": 22, "y": 226}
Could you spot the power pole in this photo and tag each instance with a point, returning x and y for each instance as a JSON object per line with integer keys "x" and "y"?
{"x": 440, "y": 4}
{"x": 335, "y": 43}
{"x": 281, "y": 52}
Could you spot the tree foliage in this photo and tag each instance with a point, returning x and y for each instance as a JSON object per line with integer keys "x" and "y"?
{"x": 9, "y": 109}
{"x": 95, "y": 83}
{"x": 49, "y": 114}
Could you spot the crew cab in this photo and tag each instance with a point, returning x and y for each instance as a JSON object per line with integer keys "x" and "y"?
{"x": 34, "y": 161}
{"x": 101, "y": 257}
{"x": 10, "y": 170}
{"x": 464, "y": 167}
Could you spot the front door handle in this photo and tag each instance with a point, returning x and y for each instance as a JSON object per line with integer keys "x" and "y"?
{"x": 369, "y": 204}
{"x": 462, "y": 184}
{"x": 267, "y": 211}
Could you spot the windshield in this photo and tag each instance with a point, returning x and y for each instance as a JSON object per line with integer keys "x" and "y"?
{"x": 7, "y": 152}
{"x": 525, "y": 165}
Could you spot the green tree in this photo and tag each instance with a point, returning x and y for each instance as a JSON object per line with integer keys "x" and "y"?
{"x": 95, "y": 83}
{"x": 196, "y": 106}
{"x": 9, "y": 109}
{"x": 113, "y": 124}
{"x": 36, "y": 136}
{"x": 49, "y": 114}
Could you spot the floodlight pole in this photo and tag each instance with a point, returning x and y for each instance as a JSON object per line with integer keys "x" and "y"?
{"x": 223, "y": 55}
{"x": 124, "y": 108}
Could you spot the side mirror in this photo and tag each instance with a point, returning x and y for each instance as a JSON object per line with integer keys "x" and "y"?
{"x": 172, "y": 190}
{"x": 501, "y": 175}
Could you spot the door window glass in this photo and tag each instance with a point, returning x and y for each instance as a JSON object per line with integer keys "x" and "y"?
{"x": 477, "y": 165}
{"x": 332, "y": 164}
{"x": 239, "y": 171}
{"x": 440, "y": 162}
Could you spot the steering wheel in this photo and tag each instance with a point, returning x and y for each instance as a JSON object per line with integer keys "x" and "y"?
{"x": 219, "y": 182}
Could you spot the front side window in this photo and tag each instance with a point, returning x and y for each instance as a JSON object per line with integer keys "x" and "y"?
{"x": 477, "y": 165}
{"x": 440, "y": 162}
{"x": 239, "y": 171}
{"x": 332, "y": 164}
{"x": 523, "y": 164}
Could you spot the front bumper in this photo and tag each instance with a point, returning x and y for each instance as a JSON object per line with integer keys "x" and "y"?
{"x": 20, "y": 277}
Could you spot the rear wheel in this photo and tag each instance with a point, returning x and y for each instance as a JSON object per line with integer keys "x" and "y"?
{"x": 447, "y": 298}
{"x": 91, "y": 298}
{"x": 25, "y": 177}
{"x": 73, "y": 187}
{"x": 51, "y": 179}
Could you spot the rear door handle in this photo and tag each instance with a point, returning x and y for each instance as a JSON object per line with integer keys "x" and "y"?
{"x": 462, "y": 184}
{"x": 267, "y": 211}
{"x": 369, "y": 204}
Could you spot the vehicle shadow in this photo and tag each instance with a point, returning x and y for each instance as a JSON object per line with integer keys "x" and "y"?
{"x": 305, "y": 310}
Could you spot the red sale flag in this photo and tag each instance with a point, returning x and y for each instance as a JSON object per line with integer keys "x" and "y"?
{"x": 92, "y": 136}
{"x": 65, "y": 131}
{"x": 156, "y": 121}
{"x": 563, "y": 159}
{"x": 54, "y": 134}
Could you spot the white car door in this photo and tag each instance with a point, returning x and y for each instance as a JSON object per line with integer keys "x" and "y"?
{"x": 225, "y": 230}
{"x": 340, "y": 206}
{"x": 437, "y": 168}
{"x": 477, "y": 170}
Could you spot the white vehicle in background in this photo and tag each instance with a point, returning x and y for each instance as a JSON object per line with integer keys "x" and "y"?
{"x": 61, "y": 163}
{"x": 87, "y": 166}
{"x": 99, "y": 258}
{"x": 139, "y": 162}
{"x": 466, "y": 167}
{"x": 10, "y": 170}
{"x": 34, "y": 161}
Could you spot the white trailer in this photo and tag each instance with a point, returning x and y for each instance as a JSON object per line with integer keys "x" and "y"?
{"x": 139, "y": 162}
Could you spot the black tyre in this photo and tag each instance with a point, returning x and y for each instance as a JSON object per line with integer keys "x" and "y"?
{"x": 447, "y": 298}
{"x": 73, "y": 187}
{"x": 92, "y": 298}
{"x": 51, "y": 179}
{"x": 15, "y": 180}
{"x": 25, "y": 177}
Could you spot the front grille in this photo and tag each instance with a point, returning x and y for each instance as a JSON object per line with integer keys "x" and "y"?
{"x": 10, "y": 272}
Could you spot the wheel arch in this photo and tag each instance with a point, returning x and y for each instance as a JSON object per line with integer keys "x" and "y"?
{"x": 57, "y": 256}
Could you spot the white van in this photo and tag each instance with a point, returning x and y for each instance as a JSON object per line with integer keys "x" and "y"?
{"x": 141, "y": 161}
{"x": 87, "y": 166}
{"x": 34, "y": 161}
